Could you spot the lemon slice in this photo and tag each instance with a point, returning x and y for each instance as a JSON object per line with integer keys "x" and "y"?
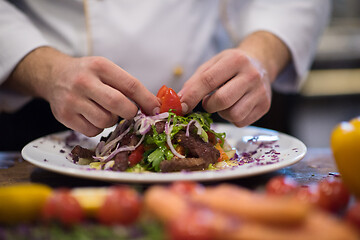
{"x": 90, "y": 199}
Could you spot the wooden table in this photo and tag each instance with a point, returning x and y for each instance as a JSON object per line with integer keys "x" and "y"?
{"x": 317, "y": 164}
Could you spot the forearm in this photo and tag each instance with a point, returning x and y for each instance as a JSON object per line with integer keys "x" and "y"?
{"x": 269, "y": 50}
{"x": 31, "y": 74}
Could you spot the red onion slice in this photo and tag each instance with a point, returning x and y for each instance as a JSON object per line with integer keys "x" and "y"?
{"x": 168, "y": 141}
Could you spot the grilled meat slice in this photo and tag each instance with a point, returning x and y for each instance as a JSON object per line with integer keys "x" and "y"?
{"x": 159, "y": 126}
{"x": 187, "y": 164}
{"x": 201, "y": 154}
{"x": 80, "y": 152}
{"x": 197, "y": 147}
{"x": 121, "y": 161}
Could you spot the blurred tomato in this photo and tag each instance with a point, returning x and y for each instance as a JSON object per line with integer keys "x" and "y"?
{"x": 334, "y": 194}
{"x": 329, "y": 194}
{"x": 309, "y": 194}
{"x": 122, "y": 206}
{"x": 345, "y": 140}
{"x": 63, "y": 207}
{"x": 194, "y": 224}
{"x": 281, "y": 185}
{"x": 353, "y": 215}
{"x": 185, "y": 187}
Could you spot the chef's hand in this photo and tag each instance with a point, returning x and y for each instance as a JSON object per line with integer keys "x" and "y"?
{"x": 85, "y": 94}
{"x": 236, "y": 83}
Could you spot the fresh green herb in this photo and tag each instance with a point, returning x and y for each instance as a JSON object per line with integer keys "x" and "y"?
{"x": 156, "y": 157}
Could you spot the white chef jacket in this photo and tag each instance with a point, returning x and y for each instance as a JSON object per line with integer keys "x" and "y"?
{"x": 151, "y": 38}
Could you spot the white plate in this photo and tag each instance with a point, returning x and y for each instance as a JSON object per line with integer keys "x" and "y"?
{"x": 51, "y": 153}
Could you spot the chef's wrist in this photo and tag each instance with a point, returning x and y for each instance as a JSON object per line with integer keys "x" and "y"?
{"x": 31, "y": 74}
{"x": 268, "y": 51}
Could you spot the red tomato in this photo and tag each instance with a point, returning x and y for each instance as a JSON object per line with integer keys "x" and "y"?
{"x": 195, "y": 224}
{"x": 309, "y": 194}
{"x": 63, "y": 207}
{"x": 334, "y": 194}
{"x": 329, "y": 194}
{"x": 185, "y": 187}
{"x": 353, "y": 215}
{"x": 162, "y": 91}
{"x": 281, "y": 185}
{"x": 170, "y": 100}
{"x": 121, "y": 206}
{"x": 136, "y": 156}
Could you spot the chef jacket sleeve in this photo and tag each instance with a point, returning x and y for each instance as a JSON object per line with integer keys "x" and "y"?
{"x": 18, "y": 37}
{"x": 298, "y": 23}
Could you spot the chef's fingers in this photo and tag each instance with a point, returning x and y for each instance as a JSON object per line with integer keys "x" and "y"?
{"x": 112, "y": 100}
{"x": 227, "y": 95}
{"x": 78, "y": 123}
{"x": 239, "y": 111}
{"x": 132, "y": 88}
{"x": 96, "y": 114}
{"x": 206, "y": 80}
{"x": 246, "y": 111}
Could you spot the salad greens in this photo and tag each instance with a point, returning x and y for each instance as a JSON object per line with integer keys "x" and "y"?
{"x": 158, "y": 145}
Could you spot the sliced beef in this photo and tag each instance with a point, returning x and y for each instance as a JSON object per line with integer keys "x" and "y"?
{"x": 197, "y": 147}
{"x": 121, "y": 161}
{"x": 179, "y": 164}
{"x": 200, "y": 153}
{"x": 129, "y": 139}
{"x": 160, "y": 127}
{"x": 80, "y": 152}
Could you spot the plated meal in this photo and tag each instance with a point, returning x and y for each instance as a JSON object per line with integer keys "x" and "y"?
{"x": 162, "y": 143}
{"x": 166, "y": 142}
{"x": 166, "y": 147}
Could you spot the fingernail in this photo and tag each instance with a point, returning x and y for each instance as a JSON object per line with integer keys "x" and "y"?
{"x": 184, "y": 107}
{"x": 180, "y": 94}
{"x": 156, "y": 110}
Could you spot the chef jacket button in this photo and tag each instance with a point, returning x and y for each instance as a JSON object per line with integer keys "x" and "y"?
{"x": 178, "y": 71}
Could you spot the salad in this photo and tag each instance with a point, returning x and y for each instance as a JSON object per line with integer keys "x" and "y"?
{"x": 166, "y": 142}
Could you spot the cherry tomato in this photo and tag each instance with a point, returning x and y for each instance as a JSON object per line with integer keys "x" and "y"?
{"x": 334, "y": 194}
{"x": 281, "y": 185}
{"x": 63, "y": 207}
{"x": 122, "y": 206}
{"x": 185, "y": 187}
{"x": 170, "y": 100}
{"x": 194, "y": 224}
{"x": 162, "y": 91}
{"x": 136, "y": 156}
{"x": 353, "y": 215}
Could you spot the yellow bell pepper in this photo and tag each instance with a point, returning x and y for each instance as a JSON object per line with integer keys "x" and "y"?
{"x": 345, "y": 145}
{"x": 22, "y": 202}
